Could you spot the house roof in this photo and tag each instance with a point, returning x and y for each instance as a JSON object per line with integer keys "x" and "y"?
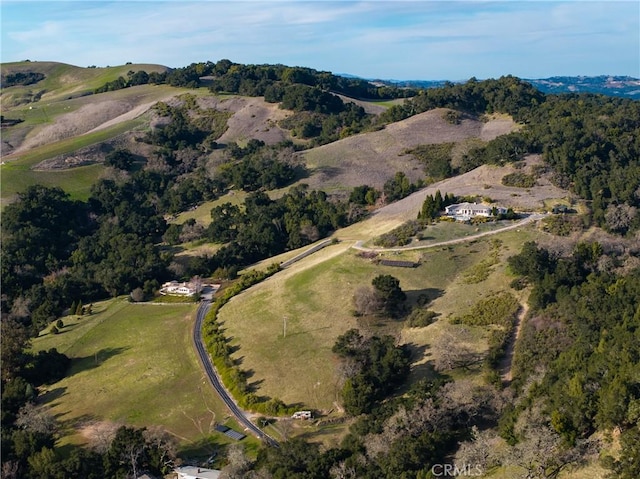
{"x": 467, "y": 206}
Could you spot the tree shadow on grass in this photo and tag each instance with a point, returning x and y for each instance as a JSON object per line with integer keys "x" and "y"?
{"x": 327, "y": 172}
{"x": 422, "y": 366}
{"x": 52, "y": 395}
{"x": 422, "y": 297}
{"x": 255, "y": 385}
{"x": 79, "y": 365}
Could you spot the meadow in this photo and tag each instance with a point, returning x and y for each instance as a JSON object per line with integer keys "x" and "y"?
{"x": 134, "y": 364}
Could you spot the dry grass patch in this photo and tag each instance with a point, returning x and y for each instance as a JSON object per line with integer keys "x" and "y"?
{"x": 315, "y": 297}
{"x": 202, "y": 213}
{"x": 372, "y": 158}
{"x": 253, "y": 118}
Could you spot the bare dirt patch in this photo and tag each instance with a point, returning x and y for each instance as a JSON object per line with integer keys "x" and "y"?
{"x": 252, "y": 118}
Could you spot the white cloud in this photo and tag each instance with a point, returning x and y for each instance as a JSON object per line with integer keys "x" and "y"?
{"x": 402, "y": 39}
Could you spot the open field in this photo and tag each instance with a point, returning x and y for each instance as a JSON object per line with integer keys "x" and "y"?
{"x": 253, "y": 118}
{"x": 133, "y": 364}
{"x": 372, "y": 107}
{"x": 18, "y": 175}
{"x": 314, "y": 297}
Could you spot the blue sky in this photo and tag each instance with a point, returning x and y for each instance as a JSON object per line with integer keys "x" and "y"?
{"x": 427, "y": 40}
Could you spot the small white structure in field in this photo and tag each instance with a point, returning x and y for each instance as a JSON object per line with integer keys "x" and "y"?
{"x": 301, "y": 415}
{"x": 466, "y": 211}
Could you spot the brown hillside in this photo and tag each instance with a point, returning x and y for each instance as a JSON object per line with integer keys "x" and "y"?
{"x": 486, "y": 180}
{"x": 373, "y": 158}
{"x": 253, "y": 118}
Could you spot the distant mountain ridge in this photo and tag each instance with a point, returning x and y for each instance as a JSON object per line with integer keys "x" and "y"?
{"x": 610, "y": 85}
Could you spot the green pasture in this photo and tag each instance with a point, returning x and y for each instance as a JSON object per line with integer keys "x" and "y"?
{"x": 202, "y": 213}
{"x": 134, "y": 364}
{"x": 17, "y": 175}
{"x": 314, "y": 297}
{"x": 386, "y": 103}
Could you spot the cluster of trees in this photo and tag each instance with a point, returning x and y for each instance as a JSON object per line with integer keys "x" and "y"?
{"x": 399, "y": 187}
{"x": 269, "y": 80}
{"x": 434, "y": 204}
{"x": 401, "y": 437}
{"x": 436, "y": 159}
{"x": 383, "y": 297}
{"x": 180, "y": 77}
{"x": 364, "y": 195}
{"x": 583, "y": 336}
{"x": 507, "y": 94}
{"x": 268, "y": 227}
{"x": 20, "y": 78}
{"x": 373, "y": 367}
{"x": 257, "y": 166}
{"x": 519, "y": 180}
{"x": 322, "y": 128}
{"x": 125, "y": 452}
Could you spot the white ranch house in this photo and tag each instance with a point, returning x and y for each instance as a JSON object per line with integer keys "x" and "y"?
{"x": 466, "y": 211}
{"x": 181, "y": 289}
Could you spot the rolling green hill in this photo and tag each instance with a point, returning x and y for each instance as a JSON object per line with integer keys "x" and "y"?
{"x": 62, "y": 81}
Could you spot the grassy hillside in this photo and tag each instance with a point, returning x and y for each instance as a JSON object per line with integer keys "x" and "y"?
{"x": 63, "y": 80}
{"x": 314, "y": 297}
{"x": 133, "y": 364}
{"x": 65, "y": 127}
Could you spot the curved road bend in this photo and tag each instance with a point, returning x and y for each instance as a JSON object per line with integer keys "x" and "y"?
{"x": 215, "y": 380}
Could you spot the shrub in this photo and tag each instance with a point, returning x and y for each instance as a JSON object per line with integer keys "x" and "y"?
{"x": 519, "y": 180}
{"x": 401, "y": 235}
{"x": 499, "y": 309}
{"x": 419, "y": 318}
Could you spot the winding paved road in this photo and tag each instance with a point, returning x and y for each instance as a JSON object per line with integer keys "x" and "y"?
{"x": 217, "y": 383}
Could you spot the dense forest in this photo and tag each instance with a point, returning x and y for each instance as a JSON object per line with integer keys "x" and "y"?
{"x": 577, "y": 362}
